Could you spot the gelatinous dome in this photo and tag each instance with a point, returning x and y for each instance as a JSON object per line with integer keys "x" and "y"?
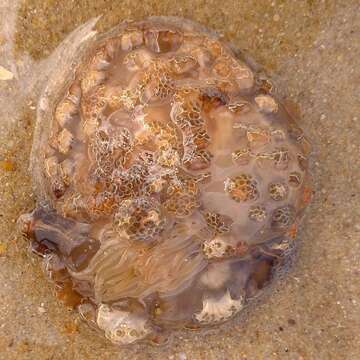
{"x": 170, "y": 181}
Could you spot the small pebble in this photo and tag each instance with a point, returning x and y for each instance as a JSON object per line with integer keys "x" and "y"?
{"x": 291, "y": 322}
{"x": 41, "y": 310}
{"x": 5, "y": 74}
{"x": 276, "y": 17}
{"x": 3, "y": 248}
{"x": 7, "y": 165}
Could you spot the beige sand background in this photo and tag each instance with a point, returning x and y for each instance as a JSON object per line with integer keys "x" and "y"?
{"x": 312, "y": 49}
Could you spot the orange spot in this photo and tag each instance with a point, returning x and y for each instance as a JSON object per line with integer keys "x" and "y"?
{"x": 7, "y": 165}
{"x": 307, "y": 194}
{"x": 66, "y": 294}
{"x": 70, "y": 327}
{"x": 3, "y": 248}
{"x": 292, "y": 231}
{"x": 98, "y": 187}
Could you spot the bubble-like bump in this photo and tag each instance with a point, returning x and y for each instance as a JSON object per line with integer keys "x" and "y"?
{"x": 278, "y": 191}
{"x": 241, "y": 156}
{"x": 182, "y": 198}
{"x": 139, "y": 219}
{"x": 120, "y": 326}
{"x": 257, "y": 213}
{"x": 218, "y": 309}
{"x": 281, "y": 158}
{"x": 266, "y": 103}
{"x": 278, "y": 136}
{"x": 242, "y": 188}
{"x": 295, "y": 179}
{"x": 283, "y": 217}
{"x": 218, "y": 223}
{"x": 217, "y": 248}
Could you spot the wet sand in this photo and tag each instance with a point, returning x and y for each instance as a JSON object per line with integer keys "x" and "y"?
{"x": 312, "y": 50}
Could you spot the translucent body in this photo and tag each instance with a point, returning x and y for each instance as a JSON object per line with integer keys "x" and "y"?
{"x": 171, "y": 182}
